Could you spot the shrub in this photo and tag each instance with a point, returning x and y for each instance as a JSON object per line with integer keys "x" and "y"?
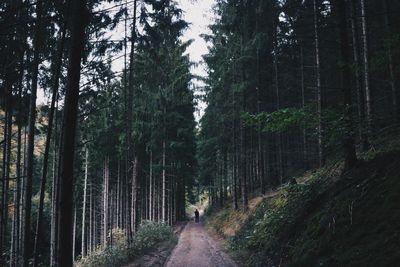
{"x": 147, "y": 237}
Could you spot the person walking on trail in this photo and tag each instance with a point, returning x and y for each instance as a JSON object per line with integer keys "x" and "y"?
{"x": 196, "y": 216}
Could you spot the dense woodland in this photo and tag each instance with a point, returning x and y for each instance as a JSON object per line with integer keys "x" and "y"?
{"x": 291, "y": 85}
{"x": 75, "y": 171}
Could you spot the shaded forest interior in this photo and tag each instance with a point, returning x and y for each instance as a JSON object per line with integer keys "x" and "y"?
{"x": 291, "y": 85}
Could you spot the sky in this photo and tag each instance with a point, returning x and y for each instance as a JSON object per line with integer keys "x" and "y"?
{"x": 198, "y": 13}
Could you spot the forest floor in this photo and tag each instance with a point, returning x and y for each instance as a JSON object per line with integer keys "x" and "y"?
{"x": 196, "y": 248}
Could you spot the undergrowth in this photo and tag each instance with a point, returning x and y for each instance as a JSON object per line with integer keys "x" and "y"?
{"x": 329, "y": 219}
{"x": 146, "y": 238}
{"x": 272, "y": 221}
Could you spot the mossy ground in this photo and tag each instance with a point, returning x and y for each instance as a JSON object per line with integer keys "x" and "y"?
{"x": 329, "y": 219}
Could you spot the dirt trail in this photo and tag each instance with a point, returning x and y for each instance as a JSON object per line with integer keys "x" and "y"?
{"x": 197, "y": 249}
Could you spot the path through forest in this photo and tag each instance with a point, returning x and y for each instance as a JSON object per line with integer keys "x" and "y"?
{"x": 196, "y": 248}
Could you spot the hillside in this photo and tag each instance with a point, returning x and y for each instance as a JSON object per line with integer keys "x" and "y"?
{"x": 327, "y": 219}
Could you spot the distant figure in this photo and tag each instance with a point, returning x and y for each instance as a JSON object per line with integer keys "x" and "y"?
{"x": 196, "y": 216}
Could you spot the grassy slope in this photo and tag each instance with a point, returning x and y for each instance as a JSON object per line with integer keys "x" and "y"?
{"x": 327, "y": 220}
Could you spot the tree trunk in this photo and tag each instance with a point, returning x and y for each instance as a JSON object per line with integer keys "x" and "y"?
{"x": 243, "y": 168}
{"x": 31, "y": 134}
{"x": 348, "y": 142}
{"x": 105, "y": 201}
{"x": 158, "y": 201}
{"x": 90, "y": 239}
{"x": 389, "y": 52}
{"x": 151, "y": 187}
{"x": 6, "y": 166}
{"x": 65, "y": 205}
{"x": 358, "y": 78}
{"x": 23, "y": 186}
{"x": 118, "y": 196}
{"x": 74, "y": 236}
{"x": 234, "y": 178}
{"x": 83, "y": 245}
{"x": 54, "y": 197}
{"x": 303, "y": 105}
{"x": 164, "y": 189}
{"x": 15, "y": 243}
{"x": 278, "y": 106}
{"x": 134, "y": 204}
{"x": 127, "y": 207}
{"x": 112, "y": 215}
{"x": 321, "y": 156}
{"x": 234, "y": 154}
{"x": 367, "y": 93}
{"x": 94, "y": 235}
{"x": 225, "y": 175}
{"x": 129, "y": 112}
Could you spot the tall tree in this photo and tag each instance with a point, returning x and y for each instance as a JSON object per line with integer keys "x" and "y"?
{"x": 318, "y": 83}
{"x": 79, "y": 15}
{"x": 350, "y": 157}
{"x": 83, "y": 244}
{"x": 37, "y": 44}
{"x": 367, "y": 92}
{"x": 392, "y": 78}
{"x": 55, "y": 89}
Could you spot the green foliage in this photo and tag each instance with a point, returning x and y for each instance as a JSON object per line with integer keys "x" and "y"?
{"x": 281, "y": 120}
{"x": 239, "y": 36}
{"x": 209, "y": 210}
{"x": 149, "y": 234}
{"x": 146, "y": 238}
{"x": 112, "y": 256}
{"x": 333, "y": 120}
{"x": 381, "y": 59}
{"x": 163, "y": 102}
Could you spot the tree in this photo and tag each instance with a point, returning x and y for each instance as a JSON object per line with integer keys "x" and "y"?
{"x": 282, "y": 82}
{"x": 65, "y": 205}
{"x": 38, "y": 39}
{"x": 392, "y": 79}
{"x": 367, "y": 92}
{"x": 350, "y": 158}
{"x": 57, "y": 73}
{"x": 83, "y": 245}
{"x": 318, "y": 84}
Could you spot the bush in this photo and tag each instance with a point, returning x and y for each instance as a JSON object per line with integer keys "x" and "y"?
{"x": 149, "y": 234}
{"x": 147, "y": 237}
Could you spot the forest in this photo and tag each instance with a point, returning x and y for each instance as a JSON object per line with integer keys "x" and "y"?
{"x": 109, "y": 163}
